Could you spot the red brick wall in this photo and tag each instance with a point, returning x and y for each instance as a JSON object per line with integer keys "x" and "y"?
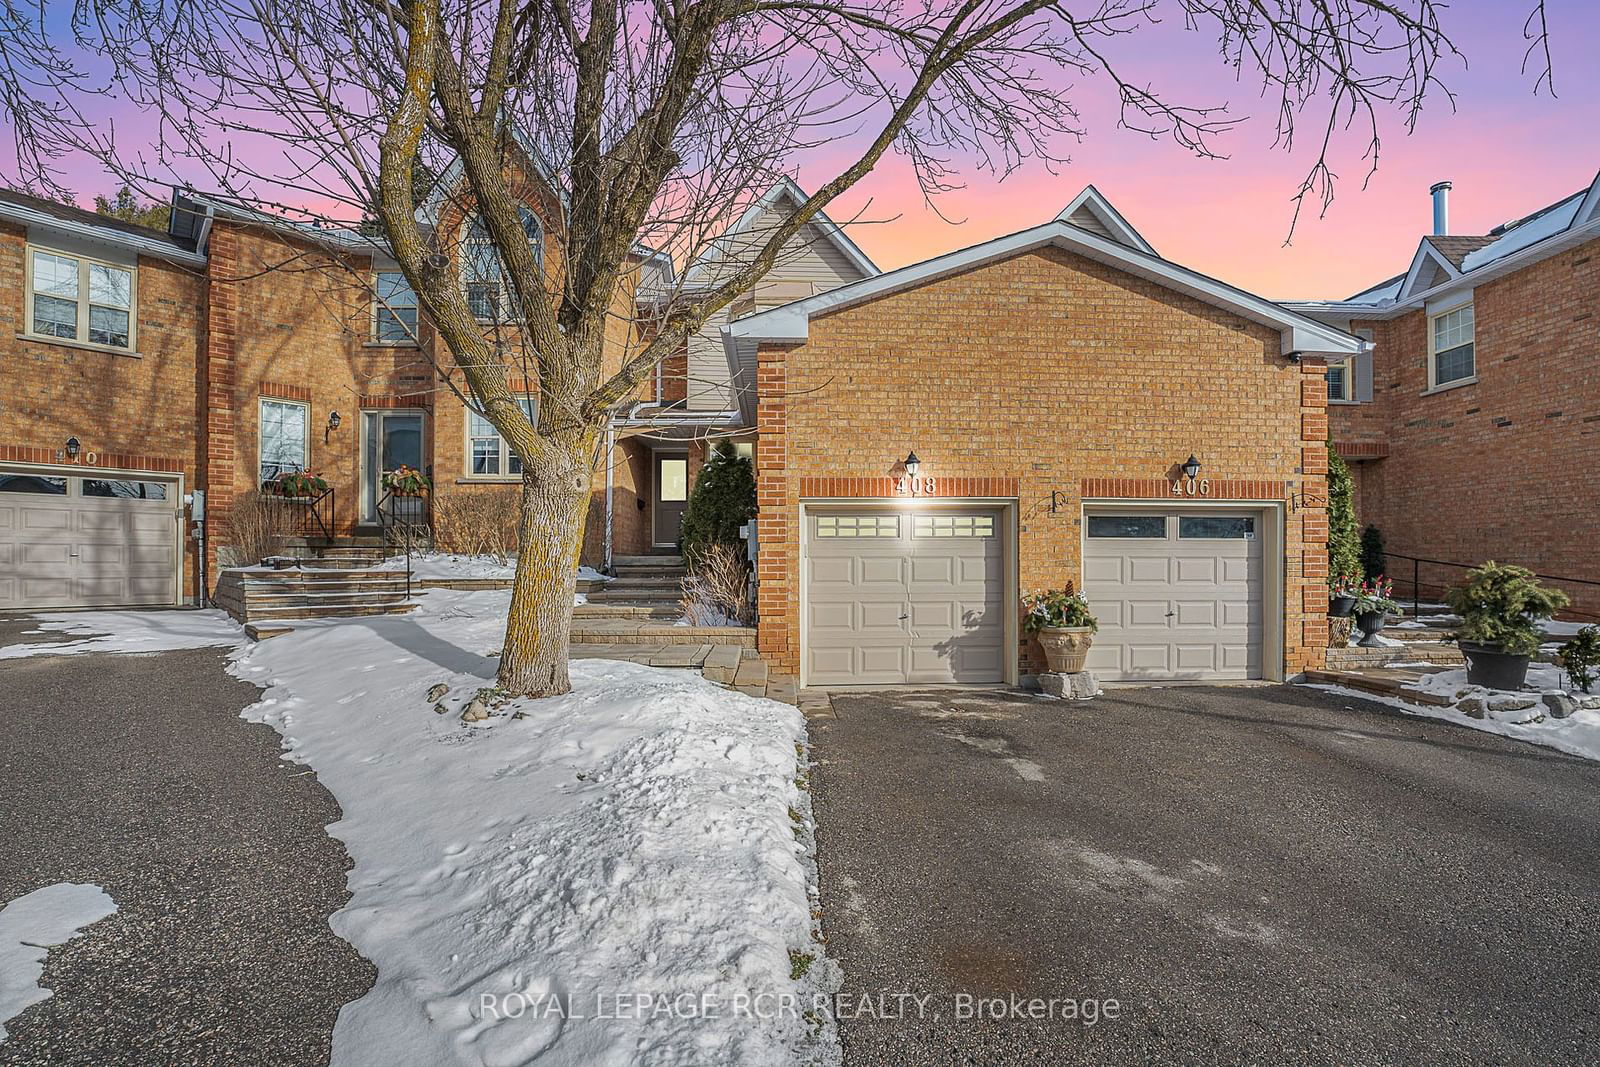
{"x": 1505, "y": 468}
{"x": 131, "y": 411}
{"x": 1041, "y": 371}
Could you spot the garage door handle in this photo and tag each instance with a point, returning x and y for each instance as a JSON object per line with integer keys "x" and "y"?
{"x": 1170, "y": 614}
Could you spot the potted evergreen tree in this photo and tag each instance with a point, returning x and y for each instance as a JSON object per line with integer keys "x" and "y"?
{"x": 1501, "y": 606}
{"x": 1064, "y": 625}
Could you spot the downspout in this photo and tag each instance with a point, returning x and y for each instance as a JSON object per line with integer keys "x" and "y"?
{"x": 611, "y": 437}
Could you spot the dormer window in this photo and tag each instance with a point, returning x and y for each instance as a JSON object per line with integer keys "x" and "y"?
{"x": 489, "y": 293}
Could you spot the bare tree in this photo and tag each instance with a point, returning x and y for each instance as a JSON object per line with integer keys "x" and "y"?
{"x": 653, "y": 123}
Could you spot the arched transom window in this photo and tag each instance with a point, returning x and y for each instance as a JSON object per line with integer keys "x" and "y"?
{"x": 489, "y": 292}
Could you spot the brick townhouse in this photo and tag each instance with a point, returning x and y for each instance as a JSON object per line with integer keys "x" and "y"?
{"x": 1473, "y": 425}
{"x": 141, "y": 366}
{"x": 1054, "y": 383}
{"x": 935, "y": 441}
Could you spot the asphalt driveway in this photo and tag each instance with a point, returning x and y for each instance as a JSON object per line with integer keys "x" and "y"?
{"x": 1253, "y": 874}
{"x": 135, "y": 773}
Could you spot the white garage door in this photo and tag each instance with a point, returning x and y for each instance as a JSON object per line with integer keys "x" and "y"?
{"x": 895, "y": 597}
{"x": 87, "y": 541}
{"x": 1178, "y": 595}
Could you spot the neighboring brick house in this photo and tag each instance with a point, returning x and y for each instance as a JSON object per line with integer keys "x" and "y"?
{"x": 1473, "y": 425}
{"x": 1051, "y": 385}
{"x": 142, "y": 366}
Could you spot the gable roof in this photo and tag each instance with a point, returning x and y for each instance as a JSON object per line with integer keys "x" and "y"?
{"x": 790, "y": 323}
{"x": 33, "y": 211}
{"x": 1446, "y": 263}
{"x": 1093, "y": 212}
{"x": 783, "y": 189}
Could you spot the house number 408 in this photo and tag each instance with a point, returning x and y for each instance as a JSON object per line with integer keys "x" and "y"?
{"x": 1191, "y": 487}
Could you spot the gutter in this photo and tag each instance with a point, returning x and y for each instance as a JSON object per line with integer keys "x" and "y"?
{"x": 143, "y": 245}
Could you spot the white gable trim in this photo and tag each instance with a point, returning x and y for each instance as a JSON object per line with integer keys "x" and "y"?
{"x": 1416, "y": 278}
{"x": 1589, "y": 210}
{"x": 790, "y": 189}
{"x": 791, "y": 322}
{"x": 1094, "y": 203}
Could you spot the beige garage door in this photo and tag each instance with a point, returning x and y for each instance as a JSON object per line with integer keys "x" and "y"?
{"x": 1178, "y": 594}
{"x": 896, "y": 597}
{"x": 87, "y": 541}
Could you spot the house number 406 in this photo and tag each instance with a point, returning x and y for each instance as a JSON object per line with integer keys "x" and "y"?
{"x": 1191, "y": 487}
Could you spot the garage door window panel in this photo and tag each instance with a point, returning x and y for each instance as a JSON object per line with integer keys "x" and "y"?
{"x": 33, "y": 483}
{"x": 1146, "y": 527}
{"x": 858, "y": 526}
{"x": 1217, "y": 527}
{"x": 121, "y": 489}
{"x": 953, "y": 526}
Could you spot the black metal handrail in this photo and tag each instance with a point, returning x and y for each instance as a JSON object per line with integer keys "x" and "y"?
{"x": 316, "y": 513}
{"x": 388, "y": 519}
{"x": 1416, "y": 579}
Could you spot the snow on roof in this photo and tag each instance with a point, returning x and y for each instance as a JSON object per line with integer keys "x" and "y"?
{"x": 1515, "y": 236}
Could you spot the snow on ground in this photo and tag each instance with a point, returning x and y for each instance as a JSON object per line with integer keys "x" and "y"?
{"x": 130, "y": 631}
{"x": 1578, "y": 734}
{"x": 449, "y": 565}
{"x": 31, "y": 924}
{"x": 619, "y": 875}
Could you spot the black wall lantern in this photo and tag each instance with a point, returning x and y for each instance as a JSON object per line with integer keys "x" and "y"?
{"x": 73, "y": 448}
{"x": 912, "y": 463}
{"x": 333, "y": 424}
{"x": 1191, "y": 467}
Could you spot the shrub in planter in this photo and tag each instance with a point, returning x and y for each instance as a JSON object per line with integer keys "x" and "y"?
{"x": 405, "y": 481}
{"x": 1064, "y": 625}
{"x": 1344, "y": 538}
{"x": 296, "y": 484}
{"x": 1501, "y": 606}
{"x": 1580, "y": 657}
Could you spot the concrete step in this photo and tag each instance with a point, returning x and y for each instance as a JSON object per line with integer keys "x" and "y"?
{"x": 652, "y": 560}
{"x": 587, "y": 631}
{"x": 660, "y": 598}
{"x": 334, "y": 585}
{"x": 722, "y": 663}
{"x": 629, "y": 585}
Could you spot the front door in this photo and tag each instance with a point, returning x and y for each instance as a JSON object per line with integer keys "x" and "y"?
{"x": 393, "y": 439}
{"x": 672, "y": 493}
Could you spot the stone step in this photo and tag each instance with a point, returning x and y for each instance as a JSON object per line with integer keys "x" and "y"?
{"x": 323, "y": 611}
{"x": 722, "y": 663}
{"x": 1409, "y": 652}
{"x": 1389, "y": 684}
{"x": 663, "y": 560}
{"x": 605, "y": 610}
{"x": 331, "y": 585}
{"x": 345, "y": 541}
{"x": 751, "y": 675}
{"x": 652, "y": 598}
{"x": 256, "y": 603}
{"x": 322, "y": 574}
{"x": 648, "y": 632}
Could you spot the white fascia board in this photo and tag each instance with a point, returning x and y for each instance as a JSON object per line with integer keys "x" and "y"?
{"x": 1425, "y": 254}
{"x": 1589, "y": 210}
{"x": 146, "y": 246}
{"x": 789, "y": 323}
{"x": 1101, "y": 208}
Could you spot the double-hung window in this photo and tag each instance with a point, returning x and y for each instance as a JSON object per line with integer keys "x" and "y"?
{"x": 488, "y": 455}
{"x": 1450, "y": 347}
{"x": 284, "y": 445}
{"x": 394, "y": 319}
{"x": 1341, "y": 375}
{"x": 78, "y": 299}
{"x": 489, "y": 293}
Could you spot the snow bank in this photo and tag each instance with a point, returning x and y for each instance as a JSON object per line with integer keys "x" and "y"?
{"x": 130, "y": 631}
{"x": 31, "y": 924}
{"x": 618, "y": 875}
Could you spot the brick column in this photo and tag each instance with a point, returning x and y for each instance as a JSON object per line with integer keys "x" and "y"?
{"x": 1308, "y": 547}
{"x": 777, "y": 570}
{"x": 219, "y": 366}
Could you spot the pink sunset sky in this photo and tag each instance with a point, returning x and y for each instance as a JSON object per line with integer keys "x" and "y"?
{"x": 1507, "y": 150}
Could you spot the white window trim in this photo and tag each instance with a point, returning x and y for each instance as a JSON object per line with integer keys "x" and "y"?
{"x": 261, "y": 403}
{"x": 1348, "y": 367}
{"x": 82, "y": 340}
{"x": 505, "y": 449}
{"x": 378, "y": 303}
{"x": 1434, "y": 385}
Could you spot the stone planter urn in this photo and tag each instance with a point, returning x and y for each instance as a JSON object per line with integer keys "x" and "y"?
{"x": 1065, "y": 647}
{"x": 1340, "y": 607}
{"x": 1372, "y": 624}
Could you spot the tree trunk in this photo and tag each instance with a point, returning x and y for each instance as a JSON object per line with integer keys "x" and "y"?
{"x": 539, "y": 624}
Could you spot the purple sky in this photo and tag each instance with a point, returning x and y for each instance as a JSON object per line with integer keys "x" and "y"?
{"x": 1508, "y": 152}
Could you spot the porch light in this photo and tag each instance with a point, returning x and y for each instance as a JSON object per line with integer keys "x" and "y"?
{"x": 911, "y": 465}
{"x": 333, "y": 420}
{"x": 73, "y": 447}
{"x": 1191, "y": 467}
